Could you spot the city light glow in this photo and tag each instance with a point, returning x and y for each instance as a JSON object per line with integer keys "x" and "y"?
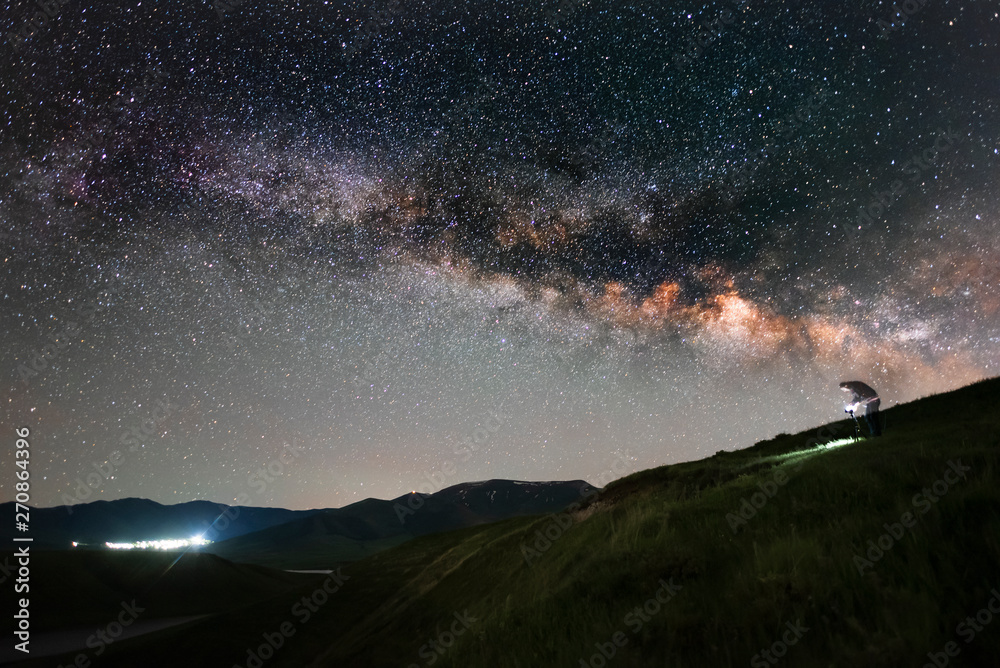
{"x": 164, "y": 544}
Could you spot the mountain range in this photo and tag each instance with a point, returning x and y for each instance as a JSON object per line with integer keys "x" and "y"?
{"x": 298, "y": 538}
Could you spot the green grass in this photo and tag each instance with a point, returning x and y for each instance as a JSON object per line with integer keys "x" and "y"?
{"x": 792, "y": 561}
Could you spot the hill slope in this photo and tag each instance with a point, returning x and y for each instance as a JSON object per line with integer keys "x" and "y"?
{"x": 872, "y": 553}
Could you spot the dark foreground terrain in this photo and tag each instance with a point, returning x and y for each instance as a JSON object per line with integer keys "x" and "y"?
{"x": 879, "y": 553}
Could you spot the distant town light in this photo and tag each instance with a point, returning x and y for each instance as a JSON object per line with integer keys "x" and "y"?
{"x": 164, "y": 544}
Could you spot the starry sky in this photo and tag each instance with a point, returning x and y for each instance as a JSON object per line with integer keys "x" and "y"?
{"x": 312, "y": 252}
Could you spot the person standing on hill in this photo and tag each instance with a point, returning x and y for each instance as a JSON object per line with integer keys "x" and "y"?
{"x": 863, "y": 395}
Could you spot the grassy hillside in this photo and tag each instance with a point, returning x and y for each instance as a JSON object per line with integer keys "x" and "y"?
{"x": 798, "y": 566}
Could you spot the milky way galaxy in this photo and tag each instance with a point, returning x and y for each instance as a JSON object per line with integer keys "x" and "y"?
{"x": 317, "y": 252}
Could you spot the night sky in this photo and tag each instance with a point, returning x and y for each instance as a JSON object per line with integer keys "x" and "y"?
{"x": 366, "y": 243}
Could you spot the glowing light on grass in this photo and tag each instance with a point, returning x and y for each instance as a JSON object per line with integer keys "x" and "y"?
{"x": 809, "y": 452}
{"x": 840, "y": 442}
{"x": 835, "y": 444}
